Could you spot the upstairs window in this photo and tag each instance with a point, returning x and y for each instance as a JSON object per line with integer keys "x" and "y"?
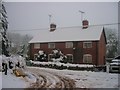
{"x": 87, "y": 44}
{"x": 87, "y": 58}
{"x": 69, "y": 44}
{"x": 51, "y": 45}
{"x": 36, "y": 45}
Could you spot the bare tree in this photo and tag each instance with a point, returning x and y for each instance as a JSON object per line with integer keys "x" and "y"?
{"x": 18, "y": 43}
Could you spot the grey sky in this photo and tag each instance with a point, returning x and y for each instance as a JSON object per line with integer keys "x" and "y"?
{"x": 34, "y": 15}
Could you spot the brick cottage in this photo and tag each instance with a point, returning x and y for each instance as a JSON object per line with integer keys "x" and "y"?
{"x": 82, "y": 45}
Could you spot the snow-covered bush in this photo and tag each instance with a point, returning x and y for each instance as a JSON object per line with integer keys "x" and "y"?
{"x": 58, "y": 56}
{"x": 41, "y": 56}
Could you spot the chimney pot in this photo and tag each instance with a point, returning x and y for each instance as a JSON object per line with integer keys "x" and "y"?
{"x": 52, "y": 27}
{"x": 85, "y": 24}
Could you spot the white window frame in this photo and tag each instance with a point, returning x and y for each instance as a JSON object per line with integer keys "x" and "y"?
{"x": 36, "y": 45}
{"x": 49, "y": 45}
{"x": 86, "y": 44}
{"x": 69, "y": 44}
{"x": 89, "y": 60}
{"x": 70, "y": 55}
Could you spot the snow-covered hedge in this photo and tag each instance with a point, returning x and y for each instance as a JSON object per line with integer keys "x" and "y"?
{"x": 58, "y": 65}
{"x": 58, "y": 56}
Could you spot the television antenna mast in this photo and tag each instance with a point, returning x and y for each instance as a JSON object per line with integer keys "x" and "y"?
{"x": 81, "y": 14}
{"x": 50, "y": 16}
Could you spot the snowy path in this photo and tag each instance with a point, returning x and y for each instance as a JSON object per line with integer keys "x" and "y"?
{"x": 46, "y": 79}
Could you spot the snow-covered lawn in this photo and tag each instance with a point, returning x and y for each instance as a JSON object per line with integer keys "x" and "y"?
{"x": 88, "y": 79}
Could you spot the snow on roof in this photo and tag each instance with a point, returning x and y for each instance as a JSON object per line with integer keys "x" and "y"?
{"x": 92, "y": 33}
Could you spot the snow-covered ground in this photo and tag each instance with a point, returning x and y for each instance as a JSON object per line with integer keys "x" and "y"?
{"x": 88, "y": 79}
{"x": 83, "y": 79}
{"x": 0, "y": 80}
{"x": 10, "y": 80}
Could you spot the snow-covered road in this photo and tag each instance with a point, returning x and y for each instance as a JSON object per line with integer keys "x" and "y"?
{"x": 46, "y": 79}
{"x": 50, "y": 78}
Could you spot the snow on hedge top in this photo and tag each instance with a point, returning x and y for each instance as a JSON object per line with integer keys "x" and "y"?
{"x": 92, "y": 33}
{"x": 59, "y": 64}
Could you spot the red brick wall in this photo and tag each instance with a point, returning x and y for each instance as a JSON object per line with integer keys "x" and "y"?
{"x": 101, "y": 50}
{"x": 44, "y": 47}
{"x": 92, "y": 51}
{"x": 78, "y": 57}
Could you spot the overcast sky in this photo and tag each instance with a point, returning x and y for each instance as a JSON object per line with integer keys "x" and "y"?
{"x": 29, "y": 16}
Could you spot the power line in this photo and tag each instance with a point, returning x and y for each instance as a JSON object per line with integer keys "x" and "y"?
{"x": 64, "y": 27}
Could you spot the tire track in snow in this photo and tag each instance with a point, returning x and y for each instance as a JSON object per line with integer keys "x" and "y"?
{"x": 47, "y": 79}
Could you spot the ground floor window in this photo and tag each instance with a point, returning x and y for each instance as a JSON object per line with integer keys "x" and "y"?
{"x": 50, "y": 57}
{"x": 87, "y": 58}
{"x": 35, "y": 56}
{"x": 69, "y": 57}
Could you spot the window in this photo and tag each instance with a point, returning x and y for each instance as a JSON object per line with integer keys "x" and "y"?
{"x": 36, "y": 45}
{"x": 50, "y": 57}
{"x": 35, "y": 56}
{"x": 69, "y": 57}
{"x": 87, "y": 58}
{"x": 51, "y": 45}
{"x": 69, "y": 44}
{"x": 87, "y": 44}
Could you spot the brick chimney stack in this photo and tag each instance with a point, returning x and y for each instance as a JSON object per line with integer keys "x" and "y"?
{"x": 85, "y": 24}
{"x": 52, "y": 27}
